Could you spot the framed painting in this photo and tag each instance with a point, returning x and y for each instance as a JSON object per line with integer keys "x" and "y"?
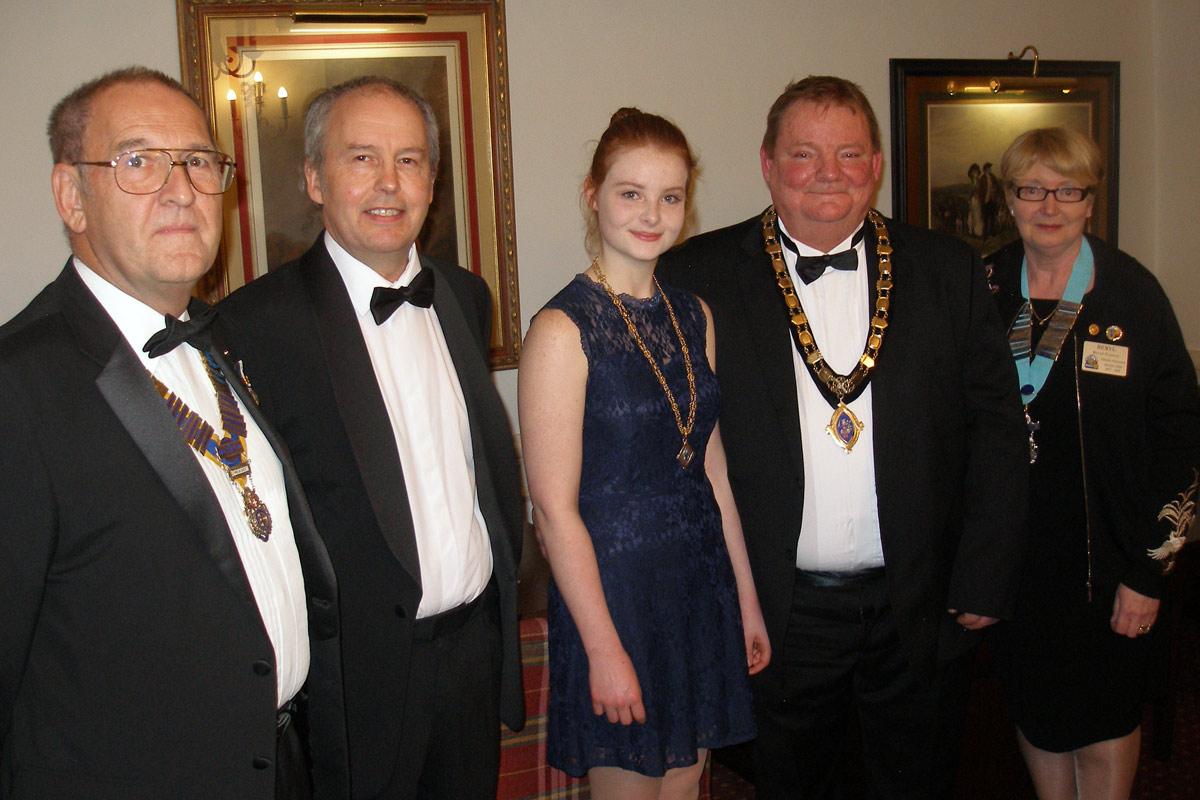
{"x": 255, "y": 66}
{"x": 952, "y": 120}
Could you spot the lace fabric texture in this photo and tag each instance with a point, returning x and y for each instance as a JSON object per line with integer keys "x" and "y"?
{"x": 657, "y": 535}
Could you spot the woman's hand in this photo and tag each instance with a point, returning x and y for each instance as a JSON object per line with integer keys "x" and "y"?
{"x": 1133, "y": 613}
{"x": 758, "y": 647}
{"x": 974, "y": 622}
{"x": 616, "y": 692}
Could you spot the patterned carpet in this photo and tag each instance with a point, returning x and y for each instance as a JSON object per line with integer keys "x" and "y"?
{"x": 992, "y": 769}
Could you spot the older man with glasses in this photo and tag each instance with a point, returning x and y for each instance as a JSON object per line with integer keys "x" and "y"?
{"x": 165, "y": 594}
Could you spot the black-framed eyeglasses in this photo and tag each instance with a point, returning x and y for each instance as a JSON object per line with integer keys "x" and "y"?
{"x": 147, "y": 170}
{"x": 1063, "y": 194}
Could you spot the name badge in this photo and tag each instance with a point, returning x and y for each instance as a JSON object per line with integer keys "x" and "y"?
{"x": 1106, "y": 359}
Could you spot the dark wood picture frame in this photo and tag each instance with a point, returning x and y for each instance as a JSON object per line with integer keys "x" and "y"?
{"x": 452, "y": 51}
{"x": 942, "y": 141}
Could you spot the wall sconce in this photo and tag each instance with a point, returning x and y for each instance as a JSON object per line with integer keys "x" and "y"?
{"x": 283, "y": 96}
{"x": 252, "y": 84}
{"x": 259, "y": 88}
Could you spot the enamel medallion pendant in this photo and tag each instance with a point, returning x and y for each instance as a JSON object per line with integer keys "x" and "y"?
{"x": 257, "y": 514}
{"x": 844, "y": 427}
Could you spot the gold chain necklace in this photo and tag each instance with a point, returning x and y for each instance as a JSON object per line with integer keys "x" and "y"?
{"x": 843, "y": 426}
{"x": 1040, "y": 320}
{"x": 686, "y": 452}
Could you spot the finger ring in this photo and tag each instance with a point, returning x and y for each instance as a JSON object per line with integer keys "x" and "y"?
{"x": 1143, "y": 628}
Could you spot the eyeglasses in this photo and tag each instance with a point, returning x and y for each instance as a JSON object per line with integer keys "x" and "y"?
{"x": 1063, "y": 194}
{"x": 147, "y": 171}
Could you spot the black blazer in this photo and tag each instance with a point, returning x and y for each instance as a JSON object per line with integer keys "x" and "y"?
{"x": 133, "y": 660}
{"x": 1141, "y": 432}
{"x": 305, "y": 356}
{"x": 950, "y": 468}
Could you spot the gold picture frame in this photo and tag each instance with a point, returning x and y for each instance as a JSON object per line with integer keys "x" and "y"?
{"x": 254, "y": 67}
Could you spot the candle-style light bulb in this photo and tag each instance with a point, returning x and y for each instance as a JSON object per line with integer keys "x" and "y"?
{"x": 259, "y": 88}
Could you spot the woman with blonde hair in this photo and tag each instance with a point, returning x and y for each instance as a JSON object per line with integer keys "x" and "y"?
{"x": 1114, "y": 446}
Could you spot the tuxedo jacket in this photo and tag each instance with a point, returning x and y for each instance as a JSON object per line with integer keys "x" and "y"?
{"x": 306, "y": 358}
{"x": 134, "y": 664}
{"x": 948, "y": 433}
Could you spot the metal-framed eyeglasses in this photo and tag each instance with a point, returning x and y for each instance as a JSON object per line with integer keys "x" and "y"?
{"x": 1063, "y": 194}
{"x": 147, "y": 170}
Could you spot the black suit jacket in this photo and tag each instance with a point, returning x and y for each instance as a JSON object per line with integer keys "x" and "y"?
{"x": 950, "y": 471}
{"x": 133, "y": 660}
{"x": 305, "y": 355}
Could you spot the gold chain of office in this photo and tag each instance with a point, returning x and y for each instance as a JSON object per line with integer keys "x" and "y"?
{"x": 839, "y": 385}
{"x": 686, "y": 452}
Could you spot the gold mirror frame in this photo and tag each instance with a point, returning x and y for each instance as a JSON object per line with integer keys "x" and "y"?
{"x": 453, "y": 52}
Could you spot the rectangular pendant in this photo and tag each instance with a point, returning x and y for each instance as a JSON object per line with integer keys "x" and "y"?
{"x": 844, "y": 427}
{"x": 685, "y": 455}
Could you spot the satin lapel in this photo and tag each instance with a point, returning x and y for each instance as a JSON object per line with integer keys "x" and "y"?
{"x": 127, "y": 389}
{"x": 482, "y": 403}
{"x": 319, "y": 577}
{"x": 361, "y": 408}
{"x": 770, "y": 337}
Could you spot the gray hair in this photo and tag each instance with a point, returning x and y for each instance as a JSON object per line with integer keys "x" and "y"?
{"x": 316, "y": 119}
{"x": 69, "y": 119}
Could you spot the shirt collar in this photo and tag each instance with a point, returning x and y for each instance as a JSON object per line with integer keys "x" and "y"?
{"x": 805, "y": 250}
{"x": 361, "y": 280}
{"x": 136, "y": 320}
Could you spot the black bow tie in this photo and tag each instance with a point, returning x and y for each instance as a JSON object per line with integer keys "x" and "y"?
{"x": 195, "y": 331}
{"x": 809, "y": 268}
{"x": 385, "y": 301}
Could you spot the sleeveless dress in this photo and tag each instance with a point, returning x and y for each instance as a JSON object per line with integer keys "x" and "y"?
{"x": 659, "y": 545}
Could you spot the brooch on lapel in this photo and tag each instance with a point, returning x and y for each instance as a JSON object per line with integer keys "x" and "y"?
{"x": 988, "y": 271}
{"x": 245, "y": 380}
{"x": 1113, "y": 332}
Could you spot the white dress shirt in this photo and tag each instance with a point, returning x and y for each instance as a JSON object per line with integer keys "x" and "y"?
{"x": 840, "y": 526}
{"x": 425, "y": 404}
{"x": 272, "y": 567}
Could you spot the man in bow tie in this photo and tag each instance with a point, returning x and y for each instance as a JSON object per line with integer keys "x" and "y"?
{"x": 157, "y": 624}
{"x": 371, "y": 358}
{"x": 875, "y": 448}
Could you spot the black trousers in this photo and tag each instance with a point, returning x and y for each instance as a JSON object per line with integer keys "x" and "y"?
{"x": 854, "y": 720}
{"x": 292, "y": 778}
{"x": 450, "y": 744}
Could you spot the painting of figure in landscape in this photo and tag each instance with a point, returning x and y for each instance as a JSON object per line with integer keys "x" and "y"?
{"x": 965, "y": 142}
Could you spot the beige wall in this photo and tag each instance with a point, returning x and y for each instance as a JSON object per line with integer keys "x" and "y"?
{"x": 713, "y": 71}
{"x": 1176, "y": 149}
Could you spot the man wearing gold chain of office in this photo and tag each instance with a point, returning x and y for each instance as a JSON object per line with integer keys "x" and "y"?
{"x": 876, "y": 455}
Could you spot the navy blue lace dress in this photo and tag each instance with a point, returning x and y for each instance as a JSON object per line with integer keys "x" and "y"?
{"x": 657, "y": 534}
